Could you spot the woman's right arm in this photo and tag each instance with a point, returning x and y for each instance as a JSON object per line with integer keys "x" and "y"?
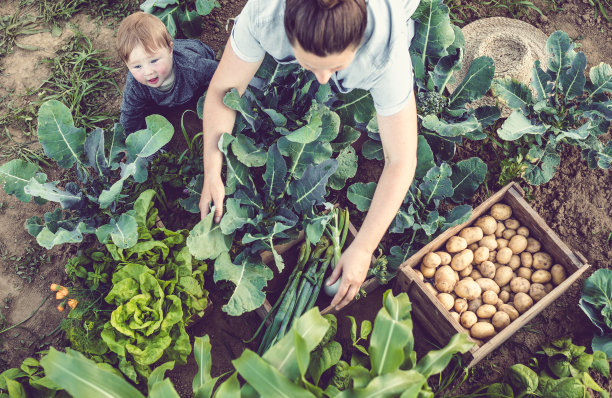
{"x": 232, "y": 72}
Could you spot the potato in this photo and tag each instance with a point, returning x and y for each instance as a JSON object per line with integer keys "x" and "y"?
{"x": 473, "y": 305}
{"x": 482, "y": 330}
{"x": 523, "y": 231}
{"x": 429, "y": 287}
{"x": 445, "y": 279}
{"x": 515, "y": 262}
{"x": 473, "y": 246}
{"x": 504, "y": 255}
{"x": 488, "y": 284}
{"x": 512, "y": 223}
{"x": 419, "y": 274}
{"x": 506, "y": 288}
{"x": 541, "y": 276}
{"x": 519, "y": 285}
{"x": 471, "y": 234}
{"x": 508, "y": 233}
{"x": 487, "y": 269}
{"x": 501, "y": 212}
{"x": 461, "y": 305}
{"x": 486, "y": 311}
{"x": 537, "y": 291}
{"x": 431, "y": 260}
{"x": 492, "y": 255}
{"x": 466, "y": 272}
{"x": 455, "y": 244}
{"x": 510, "y": 310}
{"x": 503, "y": 276}
{"x": 499, "y": 303}
{"x": 489, "y": 242}
{"x": 475, "y": 274}
{"x": 558, "y": 274}
{"x": 427, "y": 272}
{"x": 526, "y": 259}
{"x": 490, "y": 297}
{"x": 542, "y": 260}
{"x": 500, "y": 320}
{"x": 468, "y": 319}
{"x": 504, "y": 296}
{"x": 468, "y": 289}
{"x": 447, "y": 300}
{"x": 501, "y": 243}
{"x": 462, "y": 259}
{"x": 455, "y": 316}
{"x": 549, "y": 287}
{"x": 487, "y": 223}
{"x": 522, "y": 302}
{"x": 445, "y": 258}
{"x": 524, "y": 272}
{"x": 518, "y": 244}
{"x": 481, "y": 254}
{"x": 499, "y": 230}
{"x": 533, "y": 246}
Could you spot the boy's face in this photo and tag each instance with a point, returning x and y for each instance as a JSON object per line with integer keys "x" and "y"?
{"x": 150, "y": 69}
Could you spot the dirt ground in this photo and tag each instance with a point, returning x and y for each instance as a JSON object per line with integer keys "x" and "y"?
{"x": 576, "y": 204}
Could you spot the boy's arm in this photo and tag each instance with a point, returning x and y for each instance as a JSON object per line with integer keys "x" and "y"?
{"x": 232, "y": 72}
{"x": 133, "y": 109}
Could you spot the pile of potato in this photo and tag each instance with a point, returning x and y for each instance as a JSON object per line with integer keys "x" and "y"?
{"x": 490, "y": 273}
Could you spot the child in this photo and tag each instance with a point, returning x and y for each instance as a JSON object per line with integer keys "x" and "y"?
{"x": 162, "y": 73}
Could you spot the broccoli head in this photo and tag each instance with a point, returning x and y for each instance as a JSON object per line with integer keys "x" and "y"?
{"x": 430, "y": 103}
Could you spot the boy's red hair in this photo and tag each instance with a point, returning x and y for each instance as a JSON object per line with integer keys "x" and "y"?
{"x": 141, "y": 29}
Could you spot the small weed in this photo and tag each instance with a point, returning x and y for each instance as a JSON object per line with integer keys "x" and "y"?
{"x": 13, "y": 26}
{"x": 516, "y": 8}
{"x": 600, "y": 6}
{"x": 458, "y": 11}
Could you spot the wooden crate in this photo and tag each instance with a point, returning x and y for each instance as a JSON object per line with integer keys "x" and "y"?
{"x": 437, "y": 320}
{"x": 368, "y": 286}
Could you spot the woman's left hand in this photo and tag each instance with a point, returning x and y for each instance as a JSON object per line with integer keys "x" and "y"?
{"x": 353, "y": 265}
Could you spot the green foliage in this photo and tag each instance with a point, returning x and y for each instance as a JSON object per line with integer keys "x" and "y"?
{"x": 29, "y": 380}
{"x": 430, "y": 102}
{"x": 559, "y": 370}
{"x": 181, "y": 17}
{"x": 565, "y": 110}
{"x": 596, "y": 302}
{"x": 93, "y": 199}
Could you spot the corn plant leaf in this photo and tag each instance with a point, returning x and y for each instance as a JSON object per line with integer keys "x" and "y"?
{"x": 69, "y": 198}
{"x": 247, "y": 153}
{"x": 475, "y": 84}
{"x": 265, "y": 379}
{"x": 309, "y": 190}
{"x": 158, "y": 374}
{"x": 517, "y": 125}
{"x": 61, "y": 140}
{"x": 434, "y": 33}
{"x": 601, "y": 79}
{"x": 405, "y": 382}
{"x": 560, "y": 50}
{"x": 541, "y": 81}
{"x": 275, "y": 175}
{"x": 356, "y": 107}
{"x": 15, "y": 389}
{"x": 16, "y": 174}
{"x": 249, "y": 279}
{"x": 144, "y": 143}
{"x": 94, "y": 150}
{"x": 207, "y": 241}
{"x": 372, "y": 149}
{"x": 163, "y": 389}
{"x": 573, "y": 80}
{"x": 514, "y": 93}
{"x": 392, "y": 332}
{"x": 81, "y": 377}
{"x": 190, "y": 23}
{"x": 467, "y": 176}
{"x": 347, "y": 168}
{"x": 203, "y": 383}
{"x": 436, "y": 361}
{"x": 360, "y": 194}
{"x": 230, "y": 388}
{"x": 204, "y": 7}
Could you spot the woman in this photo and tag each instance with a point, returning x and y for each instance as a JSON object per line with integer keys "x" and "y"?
{"x": 356, "y": 44}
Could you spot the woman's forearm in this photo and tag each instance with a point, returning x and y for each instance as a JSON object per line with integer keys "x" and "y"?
{"x": 217, "y": 119}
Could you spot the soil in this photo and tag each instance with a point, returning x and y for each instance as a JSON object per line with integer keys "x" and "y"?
{"x": 575, "y": 204}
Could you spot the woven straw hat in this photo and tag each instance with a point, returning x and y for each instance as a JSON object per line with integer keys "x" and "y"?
{"x": 514, "y": 46}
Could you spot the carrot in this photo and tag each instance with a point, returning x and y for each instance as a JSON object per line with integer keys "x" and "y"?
{"x": 72, "y": 303}
{"x": 55, "y": 287}
{"x": 60, "y": 307}
{"x": 61, "y": 293}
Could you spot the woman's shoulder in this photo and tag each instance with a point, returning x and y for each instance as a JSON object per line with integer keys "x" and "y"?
{"x": 261, "y": 12}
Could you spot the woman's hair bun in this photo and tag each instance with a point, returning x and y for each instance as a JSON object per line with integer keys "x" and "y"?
{"x": 328, "y": 4}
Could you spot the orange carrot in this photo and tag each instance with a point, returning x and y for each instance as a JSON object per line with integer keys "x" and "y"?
{"x": 55, "y": 287}
{"x": 72, "y": 303}
{"x": 61, "y": 293}
{"x": 60, "y": 307}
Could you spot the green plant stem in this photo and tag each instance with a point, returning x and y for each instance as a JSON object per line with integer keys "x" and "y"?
{"x": 30, "y": 316}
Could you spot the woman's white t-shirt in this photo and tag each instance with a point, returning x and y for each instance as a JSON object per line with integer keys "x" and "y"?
{"x": 381, "y": 65}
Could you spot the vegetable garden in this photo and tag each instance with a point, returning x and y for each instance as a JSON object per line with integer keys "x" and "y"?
{"x": 147, "y": 300}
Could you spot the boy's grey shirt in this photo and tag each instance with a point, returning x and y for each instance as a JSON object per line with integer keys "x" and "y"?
{"x": 381, "y": 65}
{"x": 194, "y": 65}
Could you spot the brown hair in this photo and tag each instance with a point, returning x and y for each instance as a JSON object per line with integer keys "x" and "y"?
{"x": 324, "y": 27}
{"x": 141, "y": 29}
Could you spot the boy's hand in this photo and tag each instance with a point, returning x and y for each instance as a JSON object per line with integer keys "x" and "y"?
{"x": 213, "y": 191}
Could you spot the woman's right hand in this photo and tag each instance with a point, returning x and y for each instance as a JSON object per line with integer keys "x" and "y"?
{"x": 213, "y": 191}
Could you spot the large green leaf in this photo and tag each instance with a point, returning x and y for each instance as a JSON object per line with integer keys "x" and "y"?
{"x": 61, "y": 140}
{"x": 304, "y": 155}
{"x": 408, "y": 383}
{"x": 323, "y": 359}
{"x": 523, "y": 379}
{"x": 444, "y": 70}
{"x": 207, "y": 241}
{"x": 346, "y": 137}
{"x": 158, "y": 374}
{"x": 234, "y": 101}
{"x": 310, "y": 131}
{"x": 392, "y": 332}
{"x": 94, "y": 150}
{"x": 16, "y": 175}
{"x": 347, "y": 168}
{"x": 275, "y": 174}
{"x": 168, "y": 17}
{"x": 247, "y": 152}
{"x": 123, "y": 232}
{"x": 163, "y": 389}
{"x": 434, "y": 32}
{"x": 437, "y": 183}
{"x": 517, "y": 125}
{"x": 203, "y": 383}
{"x": 310, "y": 189}
{"x": 514, "y": 93}
{"x": 573, "y": 80}
{"x": 425, "y": 158}
{"x": 597, "y": 290}
{"x": 601, "y": 79}
{"x": 475, "y": 84}
{"x": 372, "y": 149}
{"x": 190, "y": 23}
{"x": 543, "y": 163}
{"x": 194, "y": 190}
{"x": 452, "y": 129}
{"x": 230, "y": 388}
{"x": 356, "y": 107}
{"x": 70, "y": 198}
{"x": 82, "y": 378}
{"x": 361, "y": 194}
{"x": 47, "y": 238}
{"x": 436, "y": 361}
{"x": 561, "y": 51}
{"x": 144, "y": 143}
{"x": 249, "y": 279}
{"x": 204, "y": 7}
{"x": 540, "y": 80}
{"x": 467, "y": 176}
{"x": 235, "y": 216}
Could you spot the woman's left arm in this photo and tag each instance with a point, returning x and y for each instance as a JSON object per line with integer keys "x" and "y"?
{"x": 398, "y": 134}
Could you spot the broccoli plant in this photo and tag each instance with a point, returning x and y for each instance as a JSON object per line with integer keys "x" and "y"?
{"x": 181, "y": 16}
{"x": 566, "y": 110}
